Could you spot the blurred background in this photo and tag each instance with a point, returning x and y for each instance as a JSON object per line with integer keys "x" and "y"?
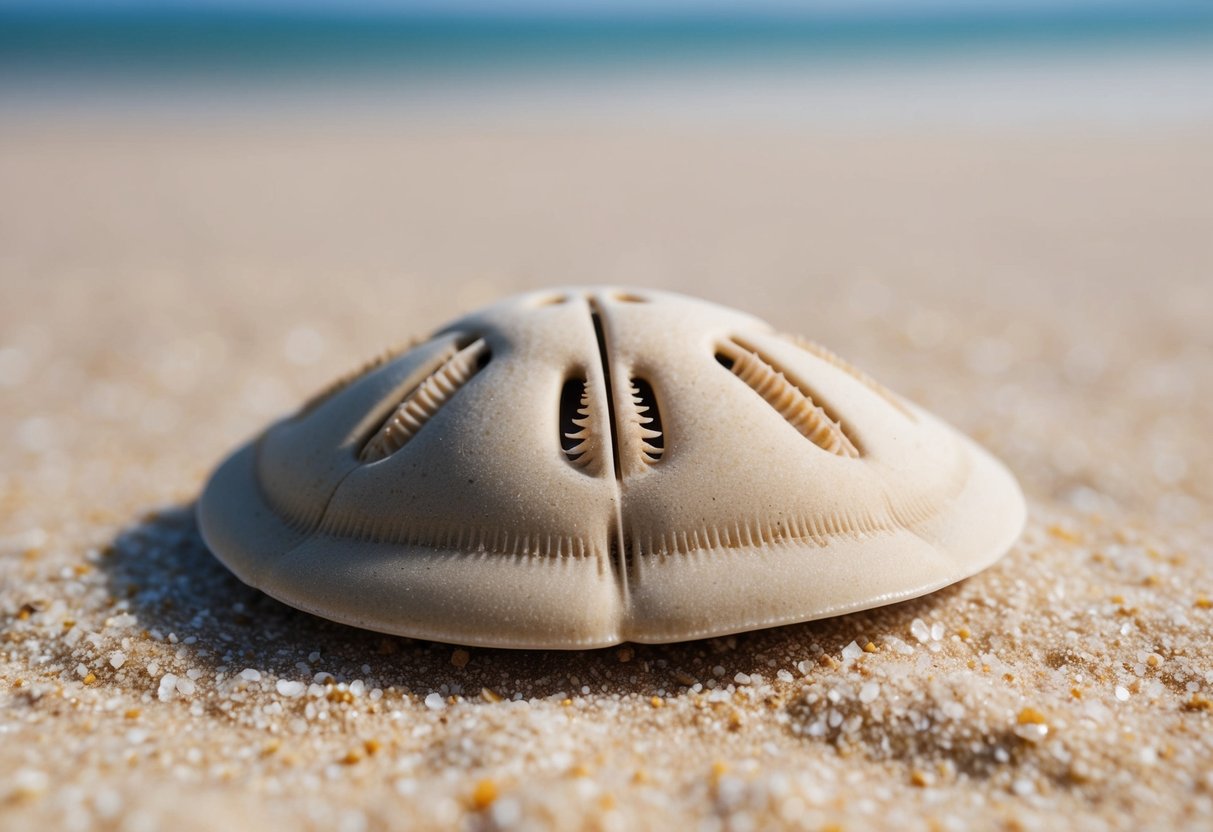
{"x": 1001, "y": 209}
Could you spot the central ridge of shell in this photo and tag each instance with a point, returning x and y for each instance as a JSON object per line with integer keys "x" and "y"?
{"x": 592, "y": 465}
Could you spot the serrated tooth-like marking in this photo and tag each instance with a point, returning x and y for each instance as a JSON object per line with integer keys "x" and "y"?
{"x": 587, "y": 453}
{"x": 813, "y": 348}
{"x": 348, "y": 378}
{"x": 424, "y": 401}
{"x": 793, "y": 404}
{"x": 642, "y": 422}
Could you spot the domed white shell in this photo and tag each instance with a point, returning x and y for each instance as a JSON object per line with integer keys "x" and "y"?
{"x": 582, "y": 467}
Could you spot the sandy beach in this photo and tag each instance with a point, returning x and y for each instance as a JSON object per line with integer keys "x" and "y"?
{"x": 167, "y": 289}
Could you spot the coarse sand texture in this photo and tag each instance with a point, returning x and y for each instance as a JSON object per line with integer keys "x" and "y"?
{"x": 581, "y": 467}
{"x": 167, "y": 290}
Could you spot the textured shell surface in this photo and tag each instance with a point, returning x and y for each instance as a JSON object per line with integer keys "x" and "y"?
{"x": 579, "y": 467}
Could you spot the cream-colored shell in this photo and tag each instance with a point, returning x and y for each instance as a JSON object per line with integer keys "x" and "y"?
{"x": 582, "y": 467}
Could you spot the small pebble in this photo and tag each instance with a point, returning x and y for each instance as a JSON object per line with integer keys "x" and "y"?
{"x": 290, "y": 689}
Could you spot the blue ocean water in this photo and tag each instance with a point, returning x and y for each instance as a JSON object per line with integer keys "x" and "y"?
{"x": 1126, "y": 62}
{"x": 98, "y": 42}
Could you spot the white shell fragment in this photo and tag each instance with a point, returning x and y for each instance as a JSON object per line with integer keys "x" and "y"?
{"x": 583, "y": 467}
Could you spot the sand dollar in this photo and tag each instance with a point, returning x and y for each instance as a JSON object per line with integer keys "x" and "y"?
{"x": 581, "y": 467}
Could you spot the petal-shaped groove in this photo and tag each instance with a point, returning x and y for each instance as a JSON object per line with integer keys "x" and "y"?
{"x": 813, "y": 348}
{"x": 423, "y": 402}
{"x": 789, "y": 400}
{"x": 580, "y": 439}
{"x": 644, "y": 419}
{"x": 345, "y": 380}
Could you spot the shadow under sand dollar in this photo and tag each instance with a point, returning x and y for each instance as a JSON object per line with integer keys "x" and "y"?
{"x": 181, "y": 594}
